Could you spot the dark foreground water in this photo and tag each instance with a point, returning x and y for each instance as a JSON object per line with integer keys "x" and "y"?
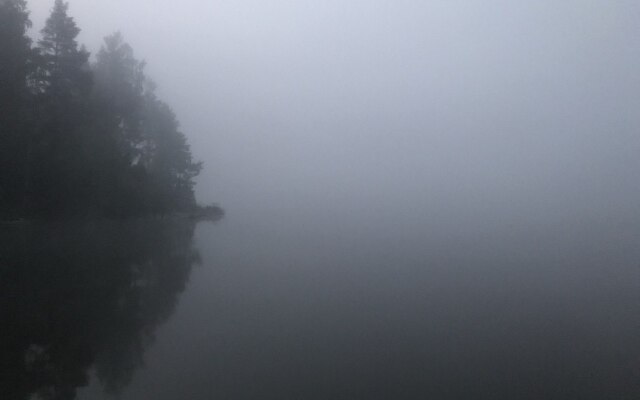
{"x": 282, "y": 307}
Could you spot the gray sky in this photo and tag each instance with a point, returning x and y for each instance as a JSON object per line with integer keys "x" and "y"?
{"x": 466, "y": 107}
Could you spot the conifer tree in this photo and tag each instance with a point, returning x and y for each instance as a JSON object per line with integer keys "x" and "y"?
{"x": 118, "y": 98}
{"x": 15, "y": 119}
{"x": 65, "y": 72}
{"x": 84, "y": 140}
{"x": 168, "y": 158}
{"x": 64, "y": 83}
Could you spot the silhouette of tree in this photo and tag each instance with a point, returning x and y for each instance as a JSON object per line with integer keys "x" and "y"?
{"x": 82, "y": 140}
{"x": 15, "y": 119}
{"x": 167, "y": 158}
{"x": 64, "y": 68}
{"x": 116, "y": 130}
{"x": 63, "y": 83}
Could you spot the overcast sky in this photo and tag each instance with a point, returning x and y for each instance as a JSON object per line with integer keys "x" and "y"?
{"x": 425, "y": 105}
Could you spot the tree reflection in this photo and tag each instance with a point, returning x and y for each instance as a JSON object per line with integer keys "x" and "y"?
{"x": 83, "y": 296}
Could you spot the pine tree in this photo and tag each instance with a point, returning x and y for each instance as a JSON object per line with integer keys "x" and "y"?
{"x": 15, "y": 51}
{"x": 77, "y": 141}
{"x": 65, "y": 72}
{"x": 118, "y": 98}
{"x": 150, "y": 156}
{"x": 119, "y": 86}
{"x": 15, "y": 119}
{"x": 64, "y": 84}
{"x": 167, "y": 158}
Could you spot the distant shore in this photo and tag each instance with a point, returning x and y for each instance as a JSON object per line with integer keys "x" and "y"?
{"x": 211, "y": 212}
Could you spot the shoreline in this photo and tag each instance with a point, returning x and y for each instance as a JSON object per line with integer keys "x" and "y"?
{"x": 210, "y": 213}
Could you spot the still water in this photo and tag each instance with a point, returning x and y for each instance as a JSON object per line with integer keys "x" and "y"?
{"x": 321, "y": 307}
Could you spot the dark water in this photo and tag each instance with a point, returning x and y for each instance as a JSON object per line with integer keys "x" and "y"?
{"x": 323, "y": 307}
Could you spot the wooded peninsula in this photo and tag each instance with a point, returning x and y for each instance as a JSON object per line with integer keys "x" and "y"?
{"x": 81, "y": 137}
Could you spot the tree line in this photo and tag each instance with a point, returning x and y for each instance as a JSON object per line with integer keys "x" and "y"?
{"x": 81, "y": 137}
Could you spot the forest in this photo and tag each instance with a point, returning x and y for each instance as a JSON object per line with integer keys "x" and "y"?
{"x": 84, "y": 136}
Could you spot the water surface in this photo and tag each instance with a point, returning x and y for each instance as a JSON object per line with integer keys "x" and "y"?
{"x": 322, "y": 308}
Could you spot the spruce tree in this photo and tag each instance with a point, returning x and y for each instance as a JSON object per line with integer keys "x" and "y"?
{"x": 15, "y": 118}
{"x": 168, "y": 158}
{"x": 65, "y": 72}
{"x": 82, "y": 141}
{"x": 64, "y": 83}
{"x": 118, "y": 98}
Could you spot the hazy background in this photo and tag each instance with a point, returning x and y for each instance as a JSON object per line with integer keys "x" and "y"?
{"x": 425, "y": 199}
{"x": 500, "y": 111}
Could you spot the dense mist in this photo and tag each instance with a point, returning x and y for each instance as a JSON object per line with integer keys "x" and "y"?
{"x": 524, "y": 110}
{"x": 424, "y": 199}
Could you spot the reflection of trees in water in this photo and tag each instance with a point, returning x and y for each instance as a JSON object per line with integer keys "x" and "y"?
{"x": 83, "y": 296}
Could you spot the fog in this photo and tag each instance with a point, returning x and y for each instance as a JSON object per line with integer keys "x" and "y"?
{"x": 422, "y": 199}
{"x": 503, "y": 111}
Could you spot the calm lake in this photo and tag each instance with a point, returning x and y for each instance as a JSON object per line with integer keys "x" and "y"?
{"x": 323, "y": 306}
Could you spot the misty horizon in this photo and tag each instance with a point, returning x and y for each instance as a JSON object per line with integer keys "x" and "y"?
{"x": 489, "y": 107}
{"x": 422, "y": 199}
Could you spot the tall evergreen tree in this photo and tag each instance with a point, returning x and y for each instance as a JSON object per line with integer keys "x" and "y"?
{"x": 15, "y": 120}
{"x": 168, "y": 158}
{"x": 118, "y": 97}
{"x": 119, "y": 88}
{"x": 65, "y": 72}
{"x": 76, "y": 140}
{"x": 15, "y": 52}
{"x": 150, "y": 154}
{"x": 64, "y": 82}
